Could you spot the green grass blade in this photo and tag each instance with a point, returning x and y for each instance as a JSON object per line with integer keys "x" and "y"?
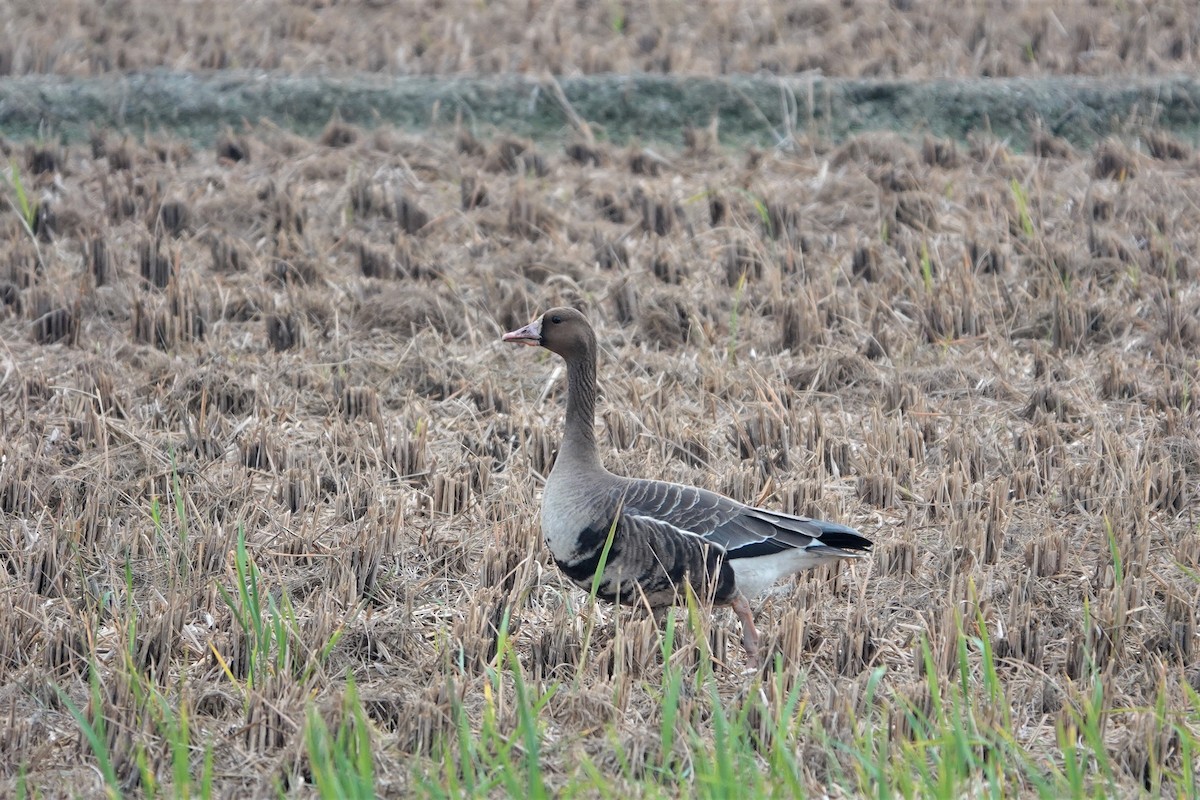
{"x": 95, "y": 733}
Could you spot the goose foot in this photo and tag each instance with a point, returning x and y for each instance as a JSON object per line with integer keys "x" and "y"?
{"x": 741, "y": 607}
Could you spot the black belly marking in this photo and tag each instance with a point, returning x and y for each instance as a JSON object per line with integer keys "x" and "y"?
{"x": 581, "y": 571}
{"x": 593, "y": 538}
{"x": 589, "y": 550}
{"x": 723, "y": 581}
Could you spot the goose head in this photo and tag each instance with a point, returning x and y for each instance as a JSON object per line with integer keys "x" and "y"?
{"x": 560, "y": 330}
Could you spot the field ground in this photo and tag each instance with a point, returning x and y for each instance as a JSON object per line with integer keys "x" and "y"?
{"x": 917, "y": 39}
{"x": 269, "y": 480}
{"x": 983, "y": 360}
{"x": 831, "y": 66}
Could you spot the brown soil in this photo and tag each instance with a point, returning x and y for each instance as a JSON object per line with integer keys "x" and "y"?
{"x": 983, "y": 360}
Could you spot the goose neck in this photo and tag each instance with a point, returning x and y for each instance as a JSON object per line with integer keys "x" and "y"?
{"x": 579, "y": 439}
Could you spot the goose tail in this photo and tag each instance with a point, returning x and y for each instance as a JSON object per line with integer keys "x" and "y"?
{"x": 841, "y": 538}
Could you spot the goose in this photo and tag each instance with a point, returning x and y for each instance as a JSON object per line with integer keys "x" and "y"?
{"x": 663, "y": 534}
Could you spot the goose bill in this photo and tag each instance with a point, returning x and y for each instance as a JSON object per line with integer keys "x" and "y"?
{"x": 530, "y": 335}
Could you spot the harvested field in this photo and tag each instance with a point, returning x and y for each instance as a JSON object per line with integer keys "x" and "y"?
{"x": 984, "y": 360}
{"x": 269, "y": 480}
{"x": 849, "y": 38}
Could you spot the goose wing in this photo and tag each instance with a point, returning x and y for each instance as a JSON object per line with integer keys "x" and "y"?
{"x": 740, "y": 530}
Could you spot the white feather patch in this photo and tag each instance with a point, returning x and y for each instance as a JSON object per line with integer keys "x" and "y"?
{"x": 756, "y": 575}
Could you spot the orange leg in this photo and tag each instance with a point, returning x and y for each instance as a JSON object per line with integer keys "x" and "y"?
{"x": 741, "y": 607}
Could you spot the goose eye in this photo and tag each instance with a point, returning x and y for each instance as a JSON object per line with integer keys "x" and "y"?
{"x": 556, "y": 319}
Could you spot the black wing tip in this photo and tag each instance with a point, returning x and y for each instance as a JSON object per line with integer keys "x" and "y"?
{"x": 845, "y": 540}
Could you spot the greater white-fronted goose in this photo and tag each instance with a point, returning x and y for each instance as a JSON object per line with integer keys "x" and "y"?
{"x": 666, "y": 534}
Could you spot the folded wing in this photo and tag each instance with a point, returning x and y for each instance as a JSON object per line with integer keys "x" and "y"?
{"x": 740, "y": 530}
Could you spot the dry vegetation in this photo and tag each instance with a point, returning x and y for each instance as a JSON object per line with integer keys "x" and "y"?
{"x": 867, "y": 38}
{"x": 986, "y": 361}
